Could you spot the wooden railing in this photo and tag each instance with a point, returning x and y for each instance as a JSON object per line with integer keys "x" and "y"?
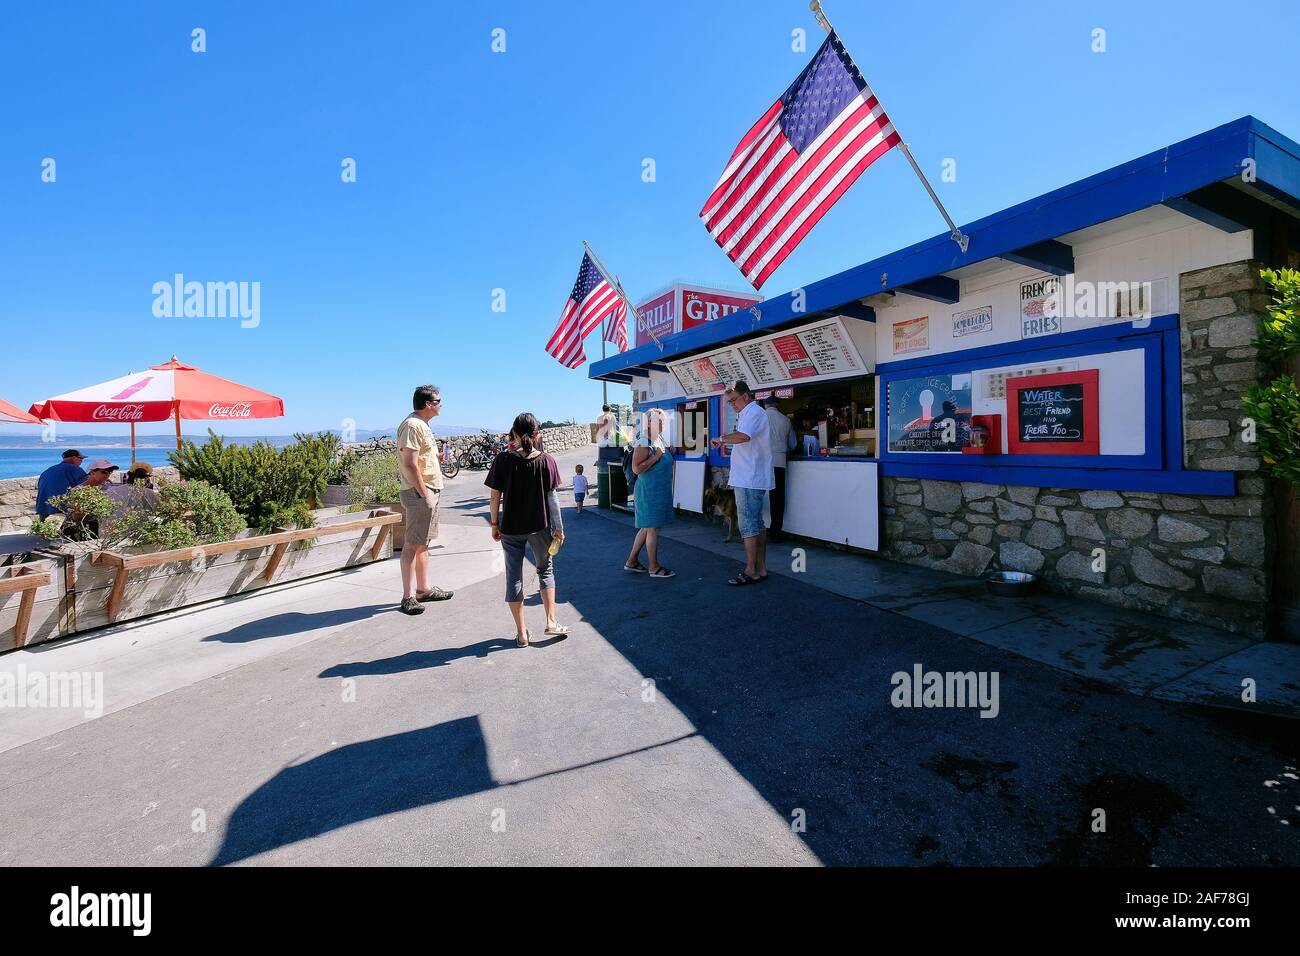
{"x": 24, "y": 579}
{"x": 279, "y": 541}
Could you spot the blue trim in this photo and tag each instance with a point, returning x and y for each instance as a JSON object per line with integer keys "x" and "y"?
{"x": 1162, "y": 391}
{"x": 1216, "y": 483}
{"x": 1047, "y": 256}
{"x": 1176, "y": 170}
{"x": 936, "y": 288}
{"x": 1018, "y": 349}
{"x": 1202, "y": 213}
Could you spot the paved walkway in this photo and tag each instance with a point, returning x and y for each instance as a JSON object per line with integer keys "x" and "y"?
{"x": 683, "y": 722}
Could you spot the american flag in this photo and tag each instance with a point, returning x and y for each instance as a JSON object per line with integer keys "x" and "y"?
{"x": 591, "y": 301}
{"x": 616, "y": 327}
{"x": 796, "y": 162}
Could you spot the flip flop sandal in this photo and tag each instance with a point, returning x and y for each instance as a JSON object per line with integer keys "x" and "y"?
{"x": 560, "y": 630}
{"x": 741, "y": 579}
{"x": 635, "y": 568}
{"x": 663, "y": 573}
{"x": 522, "y": 641}
{"x": 759, "y": 579}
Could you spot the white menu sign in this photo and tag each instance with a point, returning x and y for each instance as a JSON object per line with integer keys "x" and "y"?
{"x": 823, "y": 349}
{"x": 829, "y": 348}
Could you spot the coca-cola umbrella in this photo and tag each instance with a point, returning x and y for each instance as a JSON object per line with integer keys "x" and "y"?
{"x": 173, "y": 390}
{"x": 11, "y": 414}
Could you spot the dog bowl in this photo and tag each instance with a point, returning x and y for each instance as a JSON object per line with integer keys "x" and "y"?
{"x": 1010, "y": 583}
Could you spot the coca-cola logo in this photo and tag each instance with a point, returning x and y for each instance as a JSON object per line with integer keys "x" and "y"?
{"x": 118, "y": 413}
{"x": 238, "y": 410}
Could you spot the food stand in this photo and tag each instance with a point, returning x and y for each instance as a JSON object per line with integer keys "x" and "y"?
{"x": 1063, "y": 397}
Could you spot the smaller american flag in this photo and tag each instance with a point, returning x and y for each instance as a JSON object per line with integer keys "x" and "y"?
{"x": 796, "y": 162}
{"x": 592, "y": 300}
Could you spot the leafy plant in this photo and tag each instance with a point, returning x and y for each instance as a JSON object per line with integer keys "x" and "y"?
{"x": 1275, "y": 406}
{"x": 186, "y": 514}
{"x": 1279, "y": 334}
{"x": 269, "y": 486}
{"x": 340, "y": 466}
{"x": 84, "y": 508}
{"x": 374, "y": 478}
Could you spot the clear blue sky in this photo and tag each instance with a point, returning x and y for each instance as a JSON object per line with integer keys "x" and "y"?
{"x": 479, "y": 171}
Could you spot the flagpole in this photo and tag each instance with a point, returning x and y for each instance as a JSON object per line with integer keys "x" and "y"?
{"x": 959, "y": 237}
{"x": 618, "y": 287}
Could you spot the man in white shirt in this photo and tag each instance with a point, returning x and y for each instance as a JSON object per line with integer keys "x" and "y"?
{"x": 751, "y": 478}
{"x": 781, "y": 436}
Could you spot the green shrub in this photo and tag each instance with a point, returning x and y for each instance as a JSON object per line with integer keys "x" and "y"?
{"x": 1275, "y": 406}
{"x": 374, "y": 478}
{"x": 269, "y": 486}
{"x": 85, "y": 508}
{"x": 187, "y": 514}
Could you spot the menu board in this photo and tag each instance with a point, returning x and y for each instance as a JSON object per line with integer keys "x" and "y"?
{"x": 829, "y": 349}
{"x": 697, "y": 376}
{"x": 729, "y": 367}
{"x": 764, "y": 361}
{"x": 794, "y": 357}
{"x": 821, "y": 349}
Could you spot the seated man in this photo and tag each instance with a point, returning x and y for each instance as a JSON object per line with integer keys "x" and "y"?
{"x": 57, "y": 479}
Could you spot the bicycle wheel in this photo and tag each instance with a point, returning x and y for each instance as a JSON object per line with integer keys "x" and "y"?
{"x": 464, "y": 460}
{"x": 449, "y": 469}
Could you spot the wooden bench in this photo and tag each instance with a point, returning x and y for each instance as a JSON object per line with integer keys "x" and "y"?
{"x": 279, "y": 541}
{"x": 24, "y": 578}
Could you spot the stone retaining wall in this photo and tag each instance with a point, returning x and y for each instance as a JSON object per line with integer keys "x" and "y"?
{"x": 18, "y": 501}
{"x": 555, "y": 440}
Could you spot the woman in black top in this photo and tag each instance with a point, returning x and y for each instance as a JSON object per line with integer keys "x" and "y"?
{"x": 525, "y": 479}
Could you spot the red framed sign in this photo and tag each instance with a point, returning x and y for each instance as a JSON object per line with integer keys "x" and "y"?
{"x": 1054, "y": 414}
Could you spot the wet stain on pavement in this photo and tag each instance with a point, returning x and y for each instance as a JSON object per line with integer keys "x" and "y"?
{"x": 1137, "y": 809}
{"x": 975, "y": 775}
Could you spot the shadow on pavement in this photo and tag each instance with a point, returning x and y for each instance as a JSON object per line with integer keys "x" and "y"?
{"x": 295, "y": 622}
{"x": 358, "y": 782}
{"x": 418, "y": 660}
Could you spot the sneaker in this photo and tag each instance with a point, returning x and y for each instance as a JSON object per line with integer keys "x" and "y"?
{"x": 435, "y": 594}
{"x": 411, "y": 606}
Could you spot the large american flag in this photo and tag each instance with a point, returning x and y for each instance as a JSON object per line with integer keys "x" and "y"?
{"x": 796, "y": 162}
{"x": 591, "y": 301}
{"x": 616, "y": 329}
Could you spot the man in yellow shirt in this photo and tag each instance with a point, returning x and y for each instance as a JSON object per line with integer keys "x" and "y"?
{"x": 421, "y": 482}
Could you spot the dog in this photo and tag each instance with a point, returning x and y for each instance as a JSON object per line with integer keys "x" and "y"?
{"x": 722, "y": 502}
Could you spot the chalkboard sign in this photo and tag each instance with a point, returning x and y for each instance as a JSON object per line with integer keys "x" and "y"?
{"x": 1053, "y": 414}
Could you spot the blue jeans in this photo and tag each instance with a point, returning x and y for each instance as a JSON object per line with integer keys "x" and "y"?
{"x": 749, "y": 511}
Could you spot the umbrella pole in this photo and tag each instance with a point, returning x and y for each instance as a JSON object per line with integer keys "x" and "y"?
{"x": 133, "y": 443}
{"x": 178, "y": 427}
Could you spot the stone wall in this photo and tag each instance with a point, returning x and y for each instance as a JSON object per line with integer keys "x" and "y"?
{"x": 1205, "y": 559}
{"x": 1196, "y": 558}
{"x": 18, "y": 501}
{"x": 555, "y": 440}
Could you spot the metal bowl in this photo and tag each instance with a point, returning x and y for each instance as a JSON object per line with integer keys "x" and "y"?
{"x": 1011, "y": 583}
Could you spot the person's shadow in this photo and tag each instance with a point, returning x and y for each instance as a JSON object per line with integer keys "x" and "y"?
{"x": 358, "y": 782}
{"x": 417, "y": 660}
{"x": 295, "y": 622}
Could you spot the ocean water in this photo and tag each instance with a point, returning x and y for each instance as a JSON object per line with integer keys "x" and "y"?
{"x": 27, "y": 462}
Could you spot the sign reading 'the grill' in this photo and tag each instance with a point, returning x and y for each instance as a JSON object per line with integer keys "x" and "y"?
{"x": 1053, "y": 414}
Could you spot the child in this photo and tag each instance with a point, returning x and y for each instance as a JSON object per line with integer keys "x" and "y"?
{"x": 579, "y": 486}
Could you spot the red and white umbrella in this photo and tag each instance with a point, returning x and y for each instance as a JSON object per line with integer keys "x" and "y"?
{"x": 12, "y": 414}
{"x": 173, "y": 390}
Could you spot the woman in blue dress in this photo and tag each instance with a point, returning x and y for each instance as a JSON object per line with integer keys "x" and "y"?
{"x": 652, "y": 463}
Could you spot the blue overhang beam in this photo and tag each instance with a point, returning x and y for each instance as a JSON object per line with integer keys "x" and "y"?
{"x": 936, "y": 288}
{"x": 1051, "y": 256}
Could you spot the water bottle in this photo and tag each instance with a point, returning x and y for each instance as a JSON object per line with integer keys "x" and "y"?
{"x": 554, "y": 549}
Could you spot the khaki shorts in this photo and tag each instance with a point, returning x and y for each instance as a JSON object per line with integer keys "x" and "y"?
{"x": 421, "y": 516}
